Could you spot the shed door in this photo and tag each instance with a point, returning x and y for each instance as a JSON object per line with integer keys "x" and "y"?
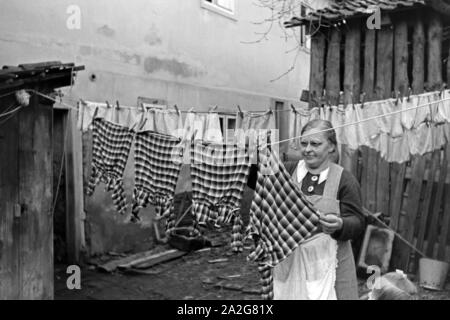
{"x": 26, "y": 222}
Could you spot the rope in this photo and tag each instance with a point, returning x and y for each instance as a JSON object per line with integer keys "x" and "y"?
{"x": 10, "y": 112}
{"x": 356, "y": 122}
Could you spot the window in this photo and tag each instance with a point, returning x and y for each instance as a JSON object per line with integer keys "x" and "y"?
{"x": 223, "y": 7}
{"x": 227, "y": 126}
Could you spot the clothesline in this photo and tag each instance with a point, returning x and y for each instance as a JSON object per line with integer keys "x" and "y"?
{"x": 355, "y": 122}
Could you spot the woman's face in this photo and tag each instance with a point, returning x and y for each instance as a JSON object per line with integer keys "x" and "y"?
{"x": 315, "y": 148}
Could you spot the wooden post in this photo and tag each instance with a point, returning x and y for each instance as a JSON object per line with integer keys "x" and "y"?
{"x": 351, "y": 86}
{"x": 434, "y": 37}
{"x": 36, "y": 199}
{"x": 418, "y": 48}
{"x": 74, "y": 189}
{"x": 401, "y": 57}
{"x": 383, "y": 88}
{"x": 332, "y": 78}
{"x": 433, "y": 227}
{"x": 9, "y": 204}
{"x": 369, "y": 163}
{"x": 435, "y": 159}
{"x": 317, "y": 75}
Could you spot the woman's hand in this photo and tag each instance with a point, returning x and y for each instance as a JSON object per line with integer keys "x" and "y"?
{"x": 330, "y": 223}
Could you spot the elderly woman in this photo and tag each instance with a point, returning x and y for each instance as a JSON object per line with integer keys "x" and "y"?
{"x": 322, "y": 267}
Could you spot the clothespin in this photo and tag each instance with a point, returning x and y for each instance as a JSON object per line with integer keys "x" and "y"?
{"x": 142, "y": 107}
{"x": 341, "y": 97}
{"x": 239, "y": 109}
{"x": 117, "y": 105}
{"x": 95, "y": 112}
{"x": 362, "y": 98}
{"x": 293, "y": 108}
{"x": 176, "y": 108}
{"x": 397, "y": 97}
{"x": 191, "y": 110}
{"x": 213, "y": 109}
{"x": 83, "y": 102}
{"x": 141, "y": 126}
{"x": 444, "y": 85}
{"x": 107, "y": 104}
{"x": 409, "y": 94}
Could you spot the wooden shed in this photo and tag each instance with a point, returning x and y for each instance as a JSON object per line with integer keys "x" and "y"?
{"x": 409, "y": 50}
{"x": 26, "y": 177}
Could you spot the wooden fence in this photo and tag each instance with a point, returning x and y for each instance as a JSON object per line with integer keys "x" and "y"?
{"x": 409, "y": 51}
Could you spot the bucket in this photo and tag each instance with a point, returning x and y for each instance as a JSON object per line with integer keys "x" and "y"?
{"x": 432, "y": 273}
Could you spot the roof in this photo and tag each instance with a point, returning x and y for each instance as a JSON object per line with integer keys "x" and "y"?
{"x": 344, "y": 9}
{"x": 53, "y": 73}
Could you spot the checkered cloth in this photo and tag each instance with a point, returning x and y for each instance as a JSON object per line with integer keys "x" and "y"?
{"x": 111, "y": 147}
{"x": 280, "y": 218}
{"x": 158, "y": 160}
{"x": 219, "y": 175}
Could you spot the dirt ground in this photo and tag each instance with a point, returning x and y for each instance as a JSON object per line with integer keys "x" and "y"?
{"x": 191, "y": 276}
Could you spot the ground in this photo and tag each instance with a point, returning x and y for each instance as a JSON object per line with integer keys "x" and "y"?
{"x": 193, "y": 276}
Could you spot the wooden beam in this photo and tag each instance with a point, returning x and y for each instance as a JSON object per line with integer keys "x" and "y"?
{"x": 411, "y": 205}
{"x": 9, "y": 200}
{"x": 425, "y": 212}
{"x": 349, "y": 158}
{"x": 317, "y": 74}
{"x": 433, "y": 227}
{"x": 332, "y": 73}
{"x": 434, "y": 38}
{"x": 74, "y": 188}
{"x": 418, "y": 49}
{"x": 401, "y": 82}
{"x": 36, "y": 199}
{"x": 383, "y": 88}
{"x": 443, "y": 235}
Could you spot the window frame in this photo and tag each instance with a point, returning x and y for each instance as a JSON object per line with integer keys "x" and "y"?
{"x": 214, "y": 7}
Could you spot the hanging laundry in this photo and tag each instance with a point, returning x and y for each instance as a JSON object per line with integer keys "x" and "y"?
{"x": 219, "y": 175}
{"x": 122, "y": 116}
{"x": 281, "y": 218}
{"x": 111, "y": 146}
{"x": 298, "y": 118}
{"x": 420, "y": 139}
{"x": 206, "y": 125}
{"x": 396, "y": 118}
{"x": 393, "y": 149}
{"x": 444, "y": 107}
{"x": 337, "y": 120}
{"x": 356, "y": 134}
{"x": 163, "y": 121}
{"x": 408, "y": 118}
{"x": 423, "y": 112}
{"x": 438, "y": 133}
{"x": 254, "y": 126}
{"x": 158, "y": 160}
{"x": 326, "y": 113}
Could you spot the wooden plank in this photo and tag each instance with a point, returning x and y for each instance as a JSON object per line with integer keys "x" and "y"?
{"x": 112, "y": 265}
{"x": 9, "y": 192}
{"x": 418, "y": 57}
{"x": 425, "y": 212}
{"x": 369, "y": 64}
{"x": 401, "y": 57}
{"x": 147, "y": 262}
{"x": 434, "y": 39}
{"x": 369, "y": 166}
{"x": 398, "y": 171}
{"x": 432, "y": 230}
{"x": 411, "y": 208}
{"x": 443, "y": 235}
{"x": 385, "y": 48}
{"x": 74, "y": 189}
{"x": 351, "y": 86}
{"x": 332, "y": 73}
{"x": 317, "y": 74}
{"x": 35, "y": 196}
